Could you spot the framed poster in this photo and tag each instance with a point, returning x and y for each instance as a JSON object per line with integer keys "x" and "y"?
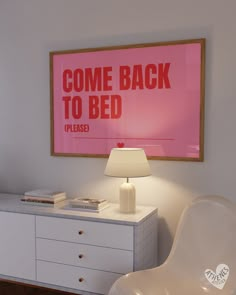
{"x": 142, "y": 95}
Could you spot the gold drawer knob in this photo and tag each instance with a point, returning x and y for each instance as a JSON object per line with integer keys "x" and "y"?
{"x": 81, "y": 280}
{"x": 80, "y": 256}
{"x": 80, "y": 232}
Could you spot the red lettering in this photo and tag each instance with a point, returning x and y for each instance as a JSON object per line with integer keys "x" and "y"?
{"x": 76, "y": 107}
{"x": 150, "y": 76}
{"x": 150, "y": 81}
{"x": 125, "y": 77}
{"x": 75, "y": 103}
{"x": 93, "y": 79}
{"x": 66, "y": 80}
{"x": 137, "y": 81}
{"x": 78, "y": 80}
{"x": 163, "y": 70}
{"x": 66, "y": 100}
{"x": 107, "y": 78}
{"x": 116, "y": 106}
{"x": 88, "y": 79}
{"x": 76, "y": 128}
{"x": 104, "y": 106}
{"x": 93, "y": 107}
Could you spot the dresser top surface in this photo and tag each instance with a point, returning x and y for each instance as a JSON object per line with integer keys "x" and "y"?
{"x": 111, "y": 214}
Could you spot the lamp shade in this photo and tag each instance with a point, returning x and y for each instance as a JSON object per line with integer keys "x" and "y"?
{"x": 127, "y": 162}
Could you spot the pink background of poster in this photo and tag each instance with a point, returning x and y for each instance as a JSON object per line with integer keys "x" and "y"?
{"x": 163, "y": 121}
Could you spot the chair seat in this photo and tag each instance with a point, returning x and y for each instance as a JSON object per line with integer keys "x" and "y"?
{"x": 162, "y": 282}
{"x": 202, "y": 259}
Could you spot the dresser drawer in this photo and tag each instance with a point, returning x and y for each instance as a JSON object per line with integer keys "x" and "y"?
{"x": 114, "y": 260}
{"x": 85, "y": 232}
{"x": 75, "y": 277}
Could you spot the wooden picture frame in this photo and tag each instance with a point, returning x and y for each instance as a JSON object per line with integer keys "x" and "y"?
{"x": 142, "y": 95}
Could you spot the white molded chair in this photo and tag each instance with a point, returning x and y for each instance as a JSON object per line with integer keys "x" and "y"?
{"x": 202, "y": 259}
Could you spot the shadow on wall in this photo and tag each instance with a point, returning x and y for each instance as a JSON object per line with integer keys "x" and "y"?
{"x": 164, "y": 240}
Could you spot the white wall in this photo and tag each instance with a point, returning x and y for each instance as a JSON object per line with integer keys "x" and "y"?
{"x": 29, "y": 29}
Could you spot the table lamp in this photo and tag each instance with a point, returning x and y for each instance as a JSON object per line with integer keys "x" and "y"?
{"x": 127, "y": 163}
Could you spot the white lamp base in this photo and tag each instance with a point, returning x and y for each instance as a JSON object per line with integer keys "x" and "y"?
{"x": 127, "y": 198}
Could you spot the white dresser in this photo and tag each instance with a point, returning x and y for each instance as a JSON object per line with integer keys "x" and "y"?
{"x": 79, "y": 252}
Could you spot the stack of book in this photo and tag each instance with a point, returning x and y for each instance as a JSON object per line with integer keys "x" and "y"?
{"x": 41, "y": 197}
{"x": 89, "y": 204}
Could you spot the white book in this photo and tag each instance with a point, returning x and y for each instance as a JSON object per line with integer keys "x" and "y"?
{"x": 46, "y": 193}
{"x": 76, "y": 208}
{"x": 43, "y": 204}
{"x": 43, "y": 199}
{"x": 88, "y": 203}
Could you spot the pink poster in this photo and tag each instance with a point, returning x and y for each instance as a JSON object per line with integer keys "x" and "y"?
{"x": 148, "y": 95}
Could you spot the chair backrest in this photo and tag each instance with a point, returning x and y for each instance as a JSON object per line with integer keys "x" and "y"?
{"x": 204, "y": 248}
